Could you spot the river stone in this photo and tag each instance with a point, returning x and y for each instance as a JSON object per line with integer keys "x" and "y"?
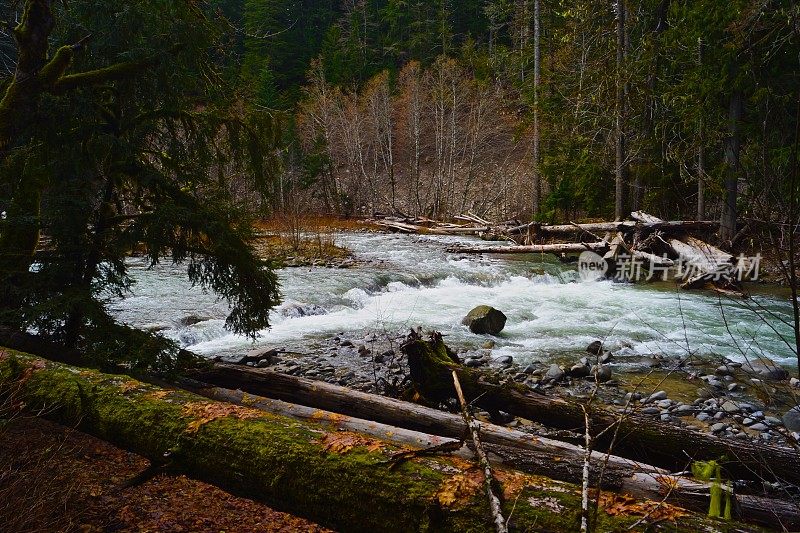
{"x": 602, "y": 373}
{"x": 794, "y": 382}
{"x": 554, "y": 373}
{"x": 730, "y": 407}
{"x": 595, "y": 348}
{"x": 792, "y": 419}
{"x": 505, "y": 361}
{"x": 702, "y": 417}
{"x": 766, "y": 368}
{"x": 579, "y": 371}
{"x": 719, "y": 426}
{"x": 485, "y": 319}
{"x": 297, "y": 310}
{"x": 656, "y": 396}
{"x": 759, "y": 427}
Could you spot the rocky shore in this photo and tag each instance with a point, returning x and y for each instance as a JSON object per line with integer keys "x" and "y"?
{"x": 754, "y": 401}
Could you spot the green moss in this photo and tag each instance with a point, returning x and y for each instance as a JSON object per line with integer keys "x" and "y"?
{"x": 283, "y": 461}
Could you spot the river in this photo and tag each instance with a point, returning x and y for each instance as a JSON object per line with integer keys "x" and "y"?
{"x": 407, "y": 281}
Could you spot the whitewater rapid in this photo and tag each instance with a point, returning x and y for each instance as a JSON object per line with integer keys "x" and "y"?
{"x": 412, "y": 281}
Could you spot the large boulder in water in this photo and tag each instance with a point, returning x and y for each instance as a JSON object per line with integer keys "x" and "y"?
{"x": 765, "y": 368}
{"x": 485, "y": 319}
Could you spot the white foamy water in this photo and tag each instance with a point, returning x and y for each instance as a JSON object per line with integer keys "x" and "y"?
{"x": 550, "y": 311}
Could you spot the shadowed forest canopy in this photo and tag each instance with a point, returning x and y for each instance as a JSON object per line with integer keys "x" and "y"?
{"x": 531, "y": 107}
{"x": 122, "y": 128}
{"x": 154, "y": 126}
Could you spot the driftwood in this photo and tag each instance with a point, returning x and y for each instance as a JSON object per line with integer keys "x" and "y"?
{"x": 566, "y": 248}
{"x": 380, "y": 409}
{"x": 341, "y": 480}
{"x": 638, "y": 437}
{"x": 548, "y": 458}
{"x": 483, "y": 459}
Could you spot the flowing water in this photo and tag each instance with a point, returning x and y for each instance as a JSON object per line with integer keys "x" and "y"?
{"x": 410, "y": 281}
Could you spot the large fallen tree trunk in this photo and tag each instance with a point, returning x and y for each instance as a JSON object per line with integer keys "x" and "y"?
{"x": 380, "y": 409}
{"x": 640, "y": 438}
{"x": 339, "y": 479}
{"x": 637, "y": 437}
{"x": 565, "y": 248}
{"x": 615, "y": 474}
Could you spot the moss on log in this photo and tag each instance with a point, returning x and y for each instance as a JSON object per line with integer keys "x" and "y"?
{"x": 338, "y": 479}
{"x": 639, "y": 437}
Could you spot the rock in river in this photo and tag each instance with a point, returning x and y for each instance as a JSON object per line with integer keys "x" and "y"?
{"x": 766, "y": 368}
{"x": 485, "y": 319}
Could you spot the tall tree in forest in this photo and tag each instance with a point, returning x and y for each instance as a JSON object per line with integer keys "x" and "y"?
{"x": 537, "y": 69}
{"x": 125, "y": 140}
{"x": 621, "y": 164}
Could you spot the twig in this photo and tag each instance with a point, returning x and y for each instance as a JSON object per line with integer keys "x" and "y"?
{"x": 585, "y": 481}
{"x": 483, "y": 459}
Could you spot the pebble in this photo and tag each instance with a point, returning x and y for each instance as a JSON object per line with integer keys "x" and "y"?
{"x": 748, "y": 421}
{"x": 773, "y": 421}
{"x": 663, "y": 404}
{"x": 719, "y": 415}
{"x": 759, "y": 427}
{"x": 794, "y": 382}
{"x": 505, "y": 361}
{"x": 730, "y": 407}
{"x": 719, "y": 426}
{"x": 733, "y": 387}
{"x": 702, "y": 417}
{"x": 792, "y": 419}
{"x": 651, "y": 411}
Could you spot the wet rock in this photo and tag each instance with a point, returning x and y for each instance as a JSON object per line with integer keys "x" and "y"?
{"x": 792, "y": 419}
{"x": 718, "y": 427}
{"x": 485, "y": 319}
{"x": 730, "y": 407}
{"x": 530, "y": 369}
{"x": 475, "y": 362}
{"x": 505, "y": 361}
{"x": 733, "y": 387}
{"x": 191, "y": 320}
{"x": 602, "y": 373}
{"x": 766, "y": 369}
{"x": 298, "y": 309}
{"x": 595, "y": 348}
{"x": 579, "y": 371}
{"x": 657, "y": 396}
{"x": 554, "y": 373}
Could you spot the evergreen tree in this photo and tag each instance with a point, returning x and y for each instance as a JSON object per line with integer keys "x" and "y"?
{"x": 125, "y": 141}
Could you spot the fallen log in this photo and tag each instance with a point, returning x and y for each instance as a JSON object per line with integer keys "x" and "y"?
{"x": 380, "y": 409}
{"x": 637, "y": 437}
{"x": 338, "y": 479}
{"x": 567, "y": 248}
{"x": 547, "y": 458}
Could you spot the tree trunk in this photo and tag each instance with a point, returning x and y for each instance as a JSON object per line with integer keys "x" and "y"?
{"x": 638, "y": 437}
{"x": 568, "y": 248}
{"x": 701, "y": 152}
{"x": 621, "y": 164}
{"x": 537, "y": 185}
{"x": 732, "y": 149}
{"x": 342, "y": 480}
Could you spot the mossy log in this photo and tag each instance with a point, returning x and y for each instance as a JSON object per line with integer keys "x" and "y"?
{"x": 638, "y": 437}
{"x": 552, "y": 463}
{"x": 339, "y": 479}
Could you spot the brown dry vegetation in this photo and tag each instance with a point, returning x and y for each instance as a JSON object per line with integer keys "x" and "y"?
{"x": 55, "y": 478}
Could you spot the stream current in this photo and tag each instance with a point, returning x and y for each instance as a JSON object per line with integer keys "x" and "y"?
{"x": 408, "y": 281}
